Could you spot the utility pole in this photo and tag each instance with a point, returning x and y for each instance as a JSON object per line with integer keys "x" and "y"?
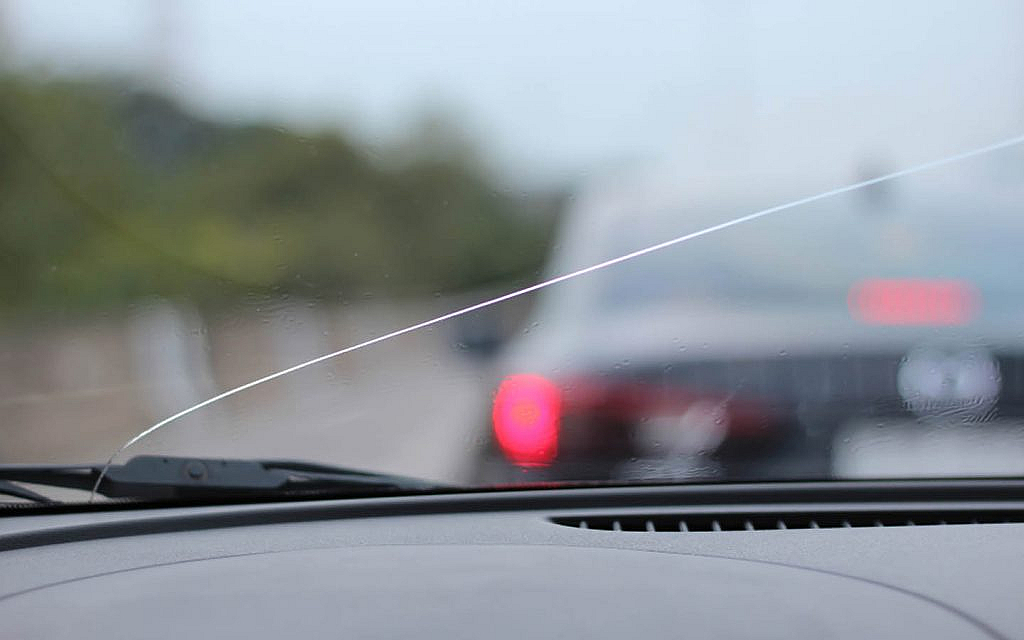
{"x": 727, "y": 119}
{"x": 162, "y": 67}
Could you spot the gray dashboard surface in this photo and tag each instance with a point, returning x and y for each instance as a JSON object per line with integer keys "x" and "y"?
{"x": 505, "y": 574}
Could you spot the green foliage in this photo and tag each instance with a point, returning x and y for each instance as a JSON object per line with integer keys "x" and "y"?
{"x": 109, "y": 195}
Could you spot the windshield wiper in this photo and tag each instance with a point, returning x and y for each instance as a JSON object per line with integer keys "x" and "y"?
{"x": 169, "y": 478}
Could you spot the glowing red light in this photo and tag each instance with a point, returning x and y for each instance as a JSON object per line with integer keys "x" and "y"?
{"x": 527, "y": 411}
{"x": 913, "y": 302}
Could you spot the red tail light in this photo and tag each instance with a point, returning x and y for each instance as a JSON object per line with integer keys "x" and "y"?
{"x": 913, "y": 302}
{"x": 638, "y": 402}
{"x": 527, "y": 412}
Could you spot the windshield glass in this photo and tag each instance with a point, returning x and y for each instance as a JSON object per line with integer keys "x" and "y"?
{"x": 515, "y": 242}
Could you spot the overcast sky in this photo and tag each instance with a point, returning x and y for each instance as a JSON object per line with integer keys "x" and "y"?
{"x": 557, "y": 89}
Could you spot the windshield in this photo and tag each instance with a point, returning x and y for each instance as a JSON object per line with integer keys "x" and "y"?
{"x": 506, "y": 243}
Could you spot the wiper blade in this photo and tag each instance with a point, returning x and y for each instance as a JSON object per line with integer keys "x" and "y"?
{"x": 166, "y": 477}
{"x": 11, "y": 489}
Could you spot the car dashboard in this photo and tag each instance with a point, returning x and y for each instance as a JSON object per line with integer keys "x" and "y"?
{"x": 923, "y": 559}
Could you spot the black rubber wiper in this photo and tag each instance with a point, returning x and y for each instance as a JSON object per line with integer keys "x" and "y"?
{"x": 166, "y": 478}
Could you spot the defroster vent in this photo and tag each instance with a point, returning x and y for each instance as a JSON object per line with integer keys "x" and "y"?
{"x": 761, "y": 521}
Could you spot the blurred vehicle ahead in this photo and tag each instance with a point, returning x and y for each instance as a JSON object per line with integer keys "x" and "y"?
{"x": 822, "y": 342}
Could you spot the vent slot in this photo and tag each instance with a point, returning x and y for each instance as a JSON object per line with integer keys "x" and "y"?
{"x": 763, "y": 521}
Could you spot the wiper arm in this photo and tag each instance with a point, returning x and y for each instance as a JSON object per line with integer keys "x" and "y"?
{"x": 165, "y": 477}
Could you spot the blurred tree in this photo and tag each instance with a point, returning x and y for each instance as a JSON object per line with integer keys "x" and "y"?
{"x": 109, "y": 195}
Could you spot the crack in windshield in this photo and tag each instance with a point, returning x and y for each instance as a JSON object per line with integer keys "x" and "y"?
{"x": 1002, "y": 144}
